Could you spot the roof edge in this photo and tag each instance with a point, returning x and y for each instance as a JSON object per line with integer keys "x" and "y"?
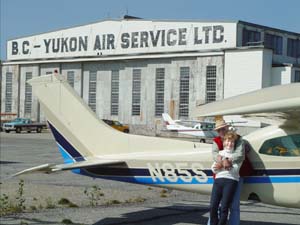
{"x": 268, "y": 28}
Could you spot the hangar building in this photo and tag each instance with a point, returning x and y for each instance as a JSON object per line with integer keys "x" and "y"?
{"x": 133, "y": 70}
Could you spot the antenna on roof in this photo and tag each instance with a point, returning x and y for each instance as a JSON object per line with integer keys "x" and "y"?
{"x": 128, "y": 17}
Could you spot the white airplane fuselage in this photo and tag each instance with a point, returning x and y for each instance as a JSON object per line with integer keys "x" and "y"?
{"x": 92, "y": 148}
{"x": 196, "y": 131}
{"x": 276, "y": 181}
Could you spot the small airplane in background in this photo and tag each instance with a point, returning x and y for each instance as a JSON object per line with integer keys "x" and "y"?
{"x": 92, "y": 148}
{"x": 201, "y": 129}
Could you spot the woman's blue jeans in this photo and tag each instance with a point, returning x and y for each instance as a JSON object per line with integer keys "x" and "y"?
{"x": 234, "y": 218}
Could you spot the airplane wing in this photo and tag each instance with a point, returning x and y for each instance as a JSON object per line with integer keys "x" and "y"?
{"x": 50, "y": 168}
{"x": 276, "y": 105}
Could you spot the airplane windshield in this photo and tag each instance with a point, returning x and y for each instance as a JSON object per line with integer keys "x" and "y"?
{"x": 282, "y": 146}
{"x": 117, "y": 123}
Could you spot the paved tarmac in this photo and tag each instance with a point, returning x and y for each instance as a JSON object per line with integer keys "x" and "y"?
{"x": 117, "y": 203}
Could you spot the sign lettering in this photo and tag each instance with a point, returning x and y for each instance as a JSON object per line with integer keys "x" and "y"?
{"x": 126, "y": 41}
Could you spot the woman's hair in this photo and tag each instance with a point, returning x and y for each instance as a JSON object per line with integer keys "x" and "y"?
{"x": 230, "y": 135}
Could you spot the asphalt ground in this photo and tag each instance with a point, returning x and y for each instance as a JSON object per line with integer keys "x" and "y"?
{"x": 101, "y": 201}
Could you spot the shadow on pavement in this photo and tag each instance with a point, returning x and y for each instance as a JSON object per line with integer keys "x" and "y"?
{"x": 8, "y": 162}
{"x": 170, "y": 215}
{"x": 164, "y": 215}
{"x": 15, "y": 220}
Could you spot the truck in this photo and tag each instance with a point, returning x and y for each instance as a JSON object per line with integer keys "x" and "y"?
{"x": 6, "y": 117}
{"x": 23, "y": 124}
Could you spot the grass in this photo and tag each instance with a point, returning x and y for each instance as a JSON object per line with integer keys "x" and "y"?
{"x": 135, "y": 200}
{"x": 94, "y": 194}
{"x": 9, "y": 205}
{"x": 67, "y": 221}
{"x": 49, "y": 203}
{"x": 112, "y": 202}
{"x": 163, "y": 193}
{"x": 66, "y": 202}
{"x": 17, "y": 204}
{"x": 33, "y": 208}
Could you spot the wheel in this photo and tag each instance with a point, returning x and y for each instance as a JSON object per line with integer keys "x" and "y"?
{"x": 202, "y": 140}
{"x": 18, "y": 130}
{"x": 38, "y": 129}
{"x": 29, "y": 131}
{"x": 7, "y": 131}
{"x": 126, "y": 131}
{"x": 254, "y": 197}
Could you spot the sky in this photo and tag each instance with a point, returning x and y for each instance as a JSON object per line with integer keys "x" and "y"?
{"x": 21, "y": 18}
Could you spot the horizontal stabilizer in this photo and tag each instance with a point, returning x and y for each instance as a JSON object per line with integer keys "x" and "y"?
{"x": 45, "y": 168}
{"x": 86, "y": 164}
{"x": 50, "y": 168}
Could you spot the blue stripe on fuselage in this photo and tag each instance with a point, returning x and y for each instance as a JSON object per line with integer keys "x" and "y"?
{"x": 156, "y": 181}
{"x": 272, "y": 179}
{"x": 117, "y": 171}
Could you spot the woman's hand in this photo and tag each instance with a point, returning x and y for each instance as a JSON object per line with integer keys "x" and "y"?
{"x": 218, "y": 166}
{"x": 227, "y": 164}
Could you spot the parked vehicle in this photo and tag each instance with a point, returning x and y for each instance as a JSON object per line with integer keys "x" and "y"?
{"x": 117, "y": 125}
{"x": 6, "y": 117}
{"x": 23, "y": 124}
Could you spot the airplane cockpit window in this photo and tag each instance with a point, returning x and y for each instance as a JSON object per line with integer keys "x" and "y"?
{"x": 282, "y": 146}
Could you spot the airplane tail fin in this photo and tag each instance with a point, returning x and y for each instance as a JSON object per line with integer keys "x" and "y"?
{"x": 80, "y": 135}
{"x": 74, "y": 125}
{"x": 167, "y": 118}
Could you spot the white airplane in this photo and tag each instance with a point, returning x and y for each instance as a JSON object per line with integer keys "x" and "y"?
{"x": 201, "y": 129}
{"x": 92, "y": 148}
